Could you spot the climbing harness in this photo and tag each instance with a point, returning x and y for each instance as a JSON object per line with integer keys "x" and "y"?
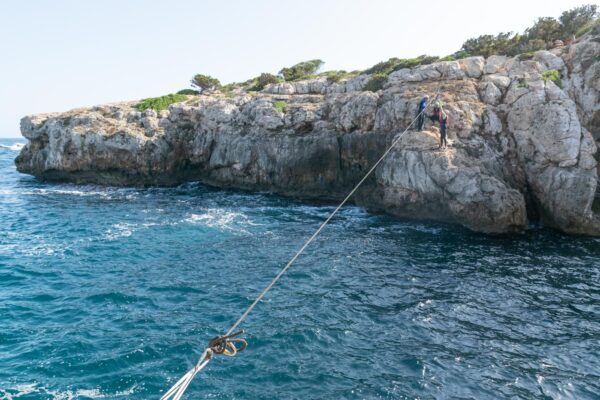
{"x": 227, "y": 344}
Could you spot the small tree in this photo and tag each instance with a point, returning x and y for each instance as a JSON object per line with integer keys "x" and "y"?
{"x": 376, "y": 82}
{"x": 205, "y": 82}
{"x": 383, "y": 67}
{"x": 576, "y": 18}
{"x": 484, "y": 45}
{"x": 546, "y": 29}
{"x": 301, "y": 70}
{"x": 188, "y": 92}
{"x": 263, "y": 80}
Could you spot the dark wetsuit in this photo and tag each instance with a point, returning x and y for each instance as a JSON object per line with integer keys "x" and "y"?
{"x": 443, "y": 124}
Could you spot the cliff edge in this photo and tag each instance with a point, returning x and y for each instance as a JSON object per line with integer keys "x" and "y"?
{"x": 523, "y": 147}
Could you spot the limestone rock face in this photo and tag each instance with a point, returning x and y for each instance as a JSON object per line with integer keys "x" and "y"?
{"x": 522, "y": 149}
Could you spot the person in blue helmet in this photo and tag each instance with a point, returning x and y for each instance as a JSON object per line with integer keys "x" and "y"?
{"x": 421, "y": 112}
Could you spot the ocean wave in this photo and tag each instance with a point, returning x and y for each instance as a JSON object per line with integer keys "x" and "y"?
{"x": 120, "y": 230}
{"x": 75, "y": 191}
{"x": 108, "y": 193}
{"x": 211, "y": 218}
{"x": 12, "y": 147}
{"x": 221, "y": 219}
{"x": 22, "y": 390}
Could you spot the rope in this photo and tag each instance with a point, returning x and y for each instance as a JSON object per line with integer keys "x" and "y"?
{"x": 225, "y": 341}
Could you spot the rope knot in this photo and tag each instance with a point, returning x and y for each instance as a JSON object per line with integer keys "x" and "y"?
{"x": 227, "y": 345}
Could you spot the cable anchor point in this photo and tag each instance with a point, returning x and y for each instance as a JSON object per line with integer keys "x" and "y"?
{"x": 228, "y": 345}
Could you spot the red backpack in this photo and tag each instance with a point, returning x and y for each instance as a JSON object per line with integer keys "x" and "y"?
{"x": 442, "y": 120}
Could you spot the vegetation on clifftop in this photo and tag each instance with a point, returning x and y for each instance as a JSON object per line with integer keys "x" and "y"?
{"x": 264, "y": 79}
{"x": 542, "y": 35}
{"x": 160, "y": 103}
{"x": 205, "y": 82}
{"x": 188, "y": 92}
{"x": 301, "y": 70}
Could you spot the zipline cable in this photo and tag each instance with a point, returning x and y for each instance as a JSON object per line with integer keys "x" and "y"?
{"x": 226, "y": 344}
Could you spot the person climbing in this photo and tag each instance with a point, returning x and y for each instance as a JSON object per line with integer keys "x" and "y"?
{"x": 443, "y": 118}
{"x": 421, "y": 112}
{"x": 437, "y": 109}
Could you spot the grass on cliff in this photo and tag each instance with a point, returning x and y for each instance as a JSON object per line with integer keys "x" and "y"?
{"x": 280, "y": 106}
{"x": 395, "y": 64}
{"x": 337, "y": 75}
{"x": 376, "y": 82}
{"x": 160, "y": 103}
{"x": 552, "y": 75}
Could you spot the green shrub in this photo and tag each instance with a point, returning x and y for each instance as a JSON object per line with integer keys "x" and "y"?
{"x": 522, "y": 84}
{"x": 587, "y": 27}
{"x": 395, "y": 64}
{"x": 546, "y": 29}
{"x": 229, "y": 88}
{"x": 280, "y": 106}
{"x": 376, "y": 82}
{"x": 578, "y": 20}
{"x": 529, "y": 46}
{"x": 264, "y": 79}
{"x": 383, "y": 67}
{"x": 301, "y": 70}
{"x": 205, "y": 82}
{"x": 160, "y": 103}
{"x": 487, "y": 45}
{"x": 415, "y": 62}
{"x": 188, "y": 92}
{"x": 526, "y": 56}
{"x": 552, "y": 75}
{"x": 459, "y": 55}
{"x": 448, "y": 58}
{"x": 336, "y": 76}
{"x": 333, "y": 76}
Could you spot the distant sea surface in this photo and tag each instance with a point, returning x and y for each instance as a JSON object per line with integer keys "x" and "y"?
{"x": 111, "y": 293}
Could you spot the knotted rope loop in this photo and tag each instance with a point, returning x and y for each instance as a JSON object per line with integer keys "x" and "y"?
{"x": 227, "y": 345}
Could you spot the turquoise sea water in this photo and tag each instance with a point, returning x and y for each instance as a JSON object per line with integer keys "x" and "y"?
{"x": 112, "y": 293}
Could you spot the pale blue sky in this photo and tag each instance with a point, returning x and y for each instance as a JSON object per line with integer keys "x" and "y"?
{"x": 60, "y": 54}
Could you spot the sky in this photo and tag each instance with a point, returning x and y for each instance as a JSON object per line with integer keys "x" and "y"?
{"x": 56, "y": 55}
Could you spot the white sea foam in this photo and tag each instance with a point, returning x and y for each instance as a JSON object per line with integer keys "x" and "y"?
{"x": 120, "y": 230}
{"x": 12, "y": 147}
{"x": 71, "y": 394}
{"x": 109, "y": 193}
{"x": 85, "y": 191}
{"x": 221, "y": 219}
{"x": 213, "y": 218}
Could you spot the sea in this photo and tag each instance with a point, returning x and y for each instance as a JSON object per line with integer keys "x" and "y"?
{"x": 113, "y": 293}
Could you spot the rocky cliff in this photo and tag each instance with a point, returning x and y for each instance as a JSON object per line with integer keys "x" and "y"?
{"x": 522, "y": 148}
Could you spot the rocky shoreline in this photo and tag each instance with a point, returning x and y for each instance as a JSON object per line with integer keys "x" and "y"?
{"x": 522, "y": 148}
